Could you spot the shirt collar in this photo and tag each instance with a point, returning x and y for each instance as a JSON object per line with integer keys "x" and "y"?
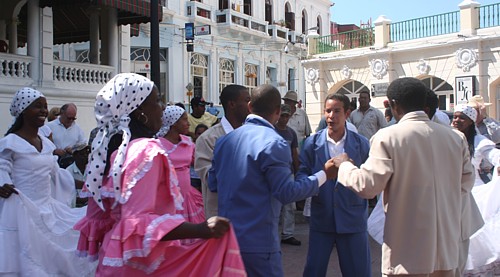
{"x": 228, "y": 128}
{"x": 329, "y": 139}
{"x": 252, "y": 116}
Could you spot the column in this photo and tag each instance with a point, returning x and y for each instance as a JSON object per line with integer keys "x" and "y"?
{"x": 13, "y": 36}
{"x": 94, "y": 37}
{"x": 111, "y": 32}
{"x": 469, "y": 17}
{"x": 382, "y": 31}
{"x": 34, "y": 39}
{"x": 3, "y": 30}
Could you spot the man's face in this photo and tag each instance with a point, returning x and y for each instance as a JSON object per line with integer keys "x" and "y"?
{"x": 292, "y": 104}
{"x": 283, "y": 120}
{"x": 335, "y": 115}
{"x": 241, "y": 106}
{"x": 364, "y": 100}
{"x": 199, "y": 109}
{"x": 68, "y": 117}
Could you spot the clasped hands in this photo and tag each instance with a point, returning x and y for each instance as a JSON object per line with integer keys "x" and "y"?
{"x": 333, "y": 164}
{"x": 7, "y": 190}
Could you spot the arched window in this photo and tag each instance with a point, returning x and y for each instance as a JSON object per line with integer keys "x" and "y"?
{"x": 226, "y": 73}
{"x": 318, "y": 24}
{"x": 304, "y": 22}
{"x": 251, "y": 76}
{"x": 199, "y": 74}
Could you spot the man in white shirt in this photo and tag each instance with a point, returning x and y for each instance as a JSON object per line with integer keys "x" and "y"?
{"x": 66, "y": 133}
{"x": 366, "y": 118}
{"x": 299, "y": 121}
{"x": 234, "y": 99}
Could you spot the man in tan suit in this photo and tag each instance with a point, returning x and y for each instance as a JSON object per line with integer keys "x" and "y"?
{"x": 424, "y": 170}
{"x": 234, "y": 99}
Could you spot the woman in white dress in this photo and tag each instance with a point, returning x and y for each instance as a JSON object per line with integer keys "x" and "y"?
{"x": 484, "y": 249}
{"x": 36, "y": 235}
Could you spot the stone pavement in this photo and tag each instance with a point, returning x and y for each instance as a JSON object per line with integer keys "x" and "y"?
{"x": 294, "y": 257}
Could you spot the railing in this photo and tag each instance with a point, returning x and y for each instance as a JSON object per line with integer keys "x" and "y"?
{"x": 64, "y": 71}
{"x": 434, "y": 25}
{"x": 232, "y": 17}
{"x": 346, "y": 40}
{"x": 194, "y": 8}
{"x": 489, "y": 15}
{"x": 15, "y": 66}
{"x": 277, "y": 31}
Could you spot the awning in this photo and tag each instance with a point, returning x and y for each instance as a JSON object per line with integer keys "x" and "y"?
{"x": 71, "y": 18}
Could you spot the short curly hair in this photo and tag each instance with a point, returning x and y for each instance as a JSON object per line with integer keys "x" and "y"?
{"x": 409, "y": 93}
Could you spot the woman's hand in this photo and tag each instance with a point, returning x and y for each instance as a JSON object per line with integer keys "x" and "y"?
{"x": 7, "y": 190}
{"x": 218, "y": 226}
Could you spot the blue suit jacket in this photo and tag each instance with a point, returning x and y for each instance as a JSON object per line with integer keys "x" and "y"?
{"x": 251, "y": 171}
{"x": 336, "y": 208}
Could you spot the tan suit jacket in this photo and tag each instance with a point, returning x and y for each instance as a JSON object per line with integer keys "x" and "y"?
{"x": 424, "y": 170}
{"x": 204, "y": 153}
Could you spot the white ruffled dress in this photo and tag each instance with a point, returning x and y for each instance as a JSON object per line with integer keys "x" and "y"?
{"x": 36, "y": 227}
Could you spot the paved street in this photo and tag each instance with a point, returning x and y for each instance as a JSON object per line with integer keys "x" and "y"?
{"x": 294, "y": 257}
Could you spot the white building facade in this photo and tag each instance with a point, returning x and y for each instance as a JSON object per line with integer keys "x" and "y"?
{"x": 456, "y": 54}
{"x": 250, "y": 43}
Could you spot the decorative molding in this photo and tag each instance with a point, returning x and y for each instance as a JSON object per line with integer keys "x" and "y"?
{"x": 346, "y": 72}
{"x": 378, "y": 67}
{"x": 423, "y": 67}
{"x": 465, "y": 59}
{"x": 312, "y": 75}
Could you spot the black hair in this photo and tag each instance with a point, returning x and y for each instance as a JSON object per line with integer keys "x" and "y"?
{"x": 470, "y": 134}
{"x": 365, "y": 92}
{"x": 18, "y": 124}
{"x": 432, "y": 102}
{"x": 199, "y": 126}
{"x": 179, "y": 104}
{"x": 265, "y": 100}
{"x": 409, "y": 93}
{"x": 339, "y": 97}
{"x": 353, "y": 105}
{"x": 230, "y": 93}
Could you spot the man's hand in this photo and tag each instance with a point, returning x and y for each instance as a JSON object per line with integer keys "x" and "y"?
{"x": 340, "y": 159}
{"x": 330, "y": 169}
{"x": 218, "y": 226}
{"x": 7, "y": 190}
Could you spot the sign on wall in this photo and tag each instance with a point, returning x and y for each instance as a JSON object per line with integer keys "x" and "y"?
{"x": 379, "y": 89}
{"x": 464, "y": 89}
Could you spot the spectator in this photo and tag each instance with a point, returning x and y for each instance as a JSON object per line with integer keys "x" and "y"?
{"x": 66, "y": 134}
{"x": 198, "y": 115}
{"x": 77, "y": 170}
{"x": 195, "y": 179}
{"x": 366, "y": 118}
{"x": 234, "y": 99}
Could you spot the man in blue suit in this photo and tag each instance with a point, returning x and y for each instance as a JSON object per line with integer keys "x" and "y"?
{"x": 252, "y": 173}
{"x": 338, "y": 215}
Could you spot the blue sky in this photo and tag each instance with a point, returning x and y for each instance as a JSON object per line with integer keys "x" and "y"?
{"x": 355, "y": 11}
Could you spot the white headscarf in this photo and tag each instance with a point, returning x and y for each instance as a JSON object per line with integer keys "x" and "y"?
{"x": 22, "y": 99}
{"x": 170, "y": 115}
{"x": 469, "y": 111}
{"x": 114, "y": 102}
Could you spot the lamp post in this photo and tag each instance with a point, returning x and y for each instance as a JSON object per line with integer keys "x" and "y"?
{"x": 189, "y": 93}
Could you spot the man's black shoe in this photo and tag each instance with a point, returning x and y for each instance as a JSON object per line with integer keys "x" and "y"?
{"x": 291, "y": 241}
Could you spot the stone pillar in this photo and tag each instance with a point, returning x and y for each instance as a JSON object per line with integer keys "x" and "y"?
{"x": 112, "y": 42}
{"x": 3, "y": 30}
{"x": 382, "y": 31}
{"x": 94, "y": 37}
{"x": 124, "y": 54}
{"x": 34, "y": 39}
{"x": 469, "y": 17}
{"x": 46, "y": 46}
{"x": 13, "y": 36}
{"x": 312, "y": 42}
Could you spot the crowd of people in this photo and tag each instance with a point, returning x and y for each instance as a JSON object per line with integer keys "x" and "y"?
{"x": 158, "y": 190}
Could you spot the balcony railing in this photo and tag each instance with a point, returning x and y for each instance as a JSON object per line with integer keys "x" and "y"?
{"x": 434, "y": 25}
{"x": 489, "y": 16}
{"x": 232, "y": 17}
{"x": 194, "y": 9}
{"x": 346, "y": 40}
{"x": 15, "y": 66}
{"x": 83, "y": 73}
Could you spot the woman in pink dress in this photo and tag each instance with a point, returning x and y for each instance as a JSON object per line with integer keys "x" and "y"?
{"x": 180, "y": 150}
{"x": 136, "y": 189}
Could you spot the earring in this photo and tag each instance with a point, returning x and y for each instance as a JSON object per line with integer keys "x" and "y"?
{"x": 145, "y": 116}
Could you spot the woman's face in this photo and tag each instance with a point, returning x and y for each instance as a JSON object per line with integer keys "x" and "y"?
{"x": 36, "y": 113}
{"x": 152, "y": 107}
{"x": 461, "y": 122}
{"x": 182, "y": 125}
